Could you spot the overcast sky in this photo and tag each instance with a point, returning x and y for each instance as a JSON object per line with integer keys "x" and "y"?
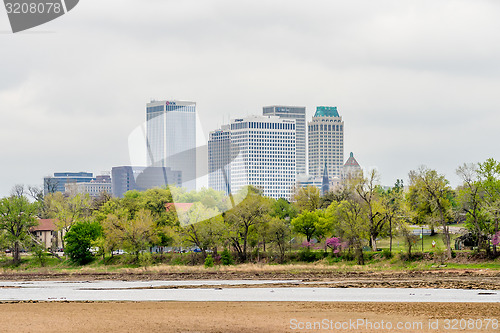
{"x": 417, "y": 82}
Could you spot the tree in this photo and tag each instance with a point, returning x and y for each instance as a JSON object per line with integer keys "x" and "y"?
{"x": 393, "y": 207}
{"x": 205, "y": 228}
{"x": 307, "y": 198}
{"x": 279, "y": 232}
{"x": 489, "y": 173}
{"x": 368, "y": 191}
{"x": 69, "y": 210}
{"x": 305, "y": 224}
{"x": 349, "y": 222}
{"x": 17, "y": 216}
{"x": 79, "y": 240}
{"x": 471, "y": 200}
{"x": 133, "y": 234}
{"x": 243, "y": 217}
{"x": 432, "y": 189}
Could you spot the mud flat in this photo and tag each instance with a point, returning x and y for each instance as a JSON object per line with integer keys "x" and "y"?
{"x": 243, "y": 316}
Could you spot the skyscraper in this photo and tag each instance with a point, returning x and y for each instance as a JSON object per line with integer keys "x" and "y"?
{"x": 171, "y": 138}
{"x": 128, "y": 178}
{"x": 264, "y": 147}
{"x": 326, "y": 142}
{"x": 219, "y": 158}
{"x": 299, "y": 114}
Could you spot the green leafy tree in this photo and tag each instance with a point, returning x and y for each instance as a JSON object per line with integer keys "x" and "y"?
{"x": 307, "y": 198}
{"x": 80, "y": 239}
{"x": 368, "y": 191}
{"x": 432, "y": 191}
{"x": 205, "y": 227}
{"x": 394, "y": 208}
{"x": 132, "y": 234}
{"x": 69, "y": 210}
{"x": 489, "y": 173}
{"x": 471, "y": 200}
{"x": 279, "y": 235}
{"x": 17, "y": 216}
{"x": 349, "y": 223}
{"x": 311, "y": 224}
{"x": 243, "y": 218}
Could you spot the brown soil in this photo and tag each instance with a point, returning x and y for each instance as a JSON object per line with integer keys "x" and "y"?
{"x": 228, "y": 317}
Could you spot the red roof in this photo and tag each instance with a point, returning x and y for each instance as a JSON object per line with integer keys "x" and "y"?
{"x": 178, "y": 206}
{"x": 45, "y": 225}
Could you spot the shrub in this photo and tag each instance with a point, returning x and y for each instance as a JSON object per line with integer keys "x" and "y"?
{"x": 145, "y": 259}
{"x": 386, "y": 254}
{"x": 305, "y": 254}
{"x": 226, "y": 258}
{"x": 209, "y": 261}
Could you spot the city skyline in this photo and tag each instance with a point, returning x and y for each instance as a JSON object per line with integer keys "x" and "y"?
{"x": 416, "y": 81}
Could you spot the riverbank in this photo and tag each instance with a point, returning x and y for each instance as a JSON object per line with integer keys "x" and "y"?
{"x": 225, "y": 317}
{"x": 308, "y": 275}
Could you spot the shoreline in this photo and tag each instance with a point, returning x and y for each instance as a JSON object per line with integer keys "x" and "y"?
{"x": 310, "y": 277}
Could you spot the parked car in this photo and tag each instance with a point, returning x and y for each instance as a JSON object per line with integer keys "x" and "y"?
{"x": 8, "y": 251}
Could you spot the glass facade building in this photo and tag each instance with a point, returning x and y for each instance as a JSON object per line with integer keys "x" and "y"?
{"x": 219, "y": 159}
{"x": 128, "y": 178}
{"x": 58, "y": 182}
{"x": 171, "y": 138}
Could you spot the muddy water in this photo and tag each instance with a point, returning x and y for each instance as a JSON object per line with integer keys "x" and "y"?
{"x": 219, "y": 291}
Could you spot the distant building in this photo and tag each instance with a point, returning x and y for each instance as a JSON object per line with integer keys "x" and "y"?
{"x": 46, "y": 234}
{"x": 319, "y": 182}
{"x": 326, "y": 142}
{"x": 128, "y": 178}
{"x": 58, "y": 182}
{"x": 351, "y": 168}
{"x": 171, "y": 138}
{"x": 102, "y": 184}
{"x": 299, "y": 114}
{"x": 264, "y": 147}
{"x": 219, "y": 159}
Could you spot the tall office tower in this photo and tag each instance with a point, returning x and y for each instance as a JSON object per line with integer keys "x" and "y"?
{"x": 128, "y": 178}
{"x": 299, "y": 114}
{"x": 326, "y": 142}
{"x": 264, "y": 147}
{"x": 60, "y": 179}
{"x": 219, "y": 158}
{"x": 171, "y": 138}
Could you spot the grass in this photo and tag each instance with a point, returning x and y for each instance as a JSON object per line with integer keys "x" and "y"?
{"x": 399, "y": 244}
{"x": 374, "y": 262}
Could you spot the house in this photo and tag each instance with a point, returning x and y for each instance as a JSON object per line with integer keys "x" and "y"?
{"x": 46, "y": 233}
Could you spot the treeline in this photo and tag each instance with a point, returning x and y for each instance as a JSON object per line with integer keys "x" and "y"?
{"x": 347, "y": 219}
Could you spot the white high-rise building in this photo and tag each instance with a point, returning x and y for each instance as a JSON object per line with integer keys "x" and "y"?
{"x": 265, "y": 152}
{"x": 299, "y": 114}
{"x": 171, "y": 138}
{"x": 219, "y": 158}
{"x": 326, "y": 142}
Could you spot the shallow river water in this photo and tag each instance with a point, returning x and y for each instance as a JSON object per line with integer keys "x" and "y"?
{"x": 219, "y": 291}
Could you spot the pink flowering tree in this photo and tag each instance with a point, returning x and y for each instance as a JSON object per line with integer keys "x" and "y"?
{"x": 496, "y": 239}
{"x": 335, "y": 244}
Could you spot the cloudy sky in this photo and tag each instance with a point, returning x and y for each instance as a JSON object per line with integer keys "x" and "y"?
{"x": 417, "y": 82}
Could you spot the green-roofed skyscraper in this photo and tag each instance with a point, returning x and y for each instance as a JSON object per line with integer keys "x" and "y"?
{"x": 326, "y": 142}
